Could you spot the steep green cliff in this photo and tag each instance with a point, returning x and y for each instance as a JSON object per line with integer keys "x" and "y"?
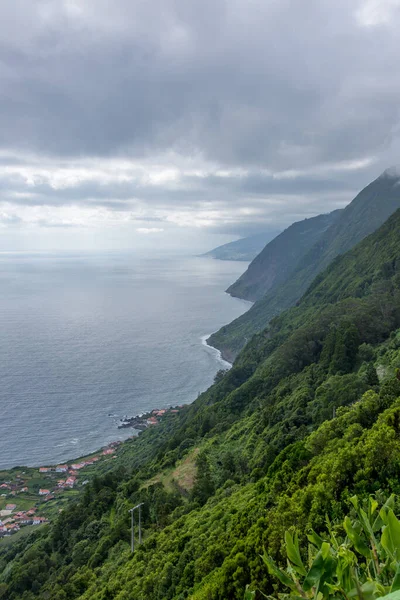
{"x": 280, "y": 257}
{"x": 373, "y": 205}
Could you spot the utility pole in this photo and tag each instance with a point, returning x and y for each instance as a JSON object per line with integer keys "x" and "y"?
{"x": 132, "y": 510}
{"x": 132, "y": 531}
{"x": 140, "y": 523}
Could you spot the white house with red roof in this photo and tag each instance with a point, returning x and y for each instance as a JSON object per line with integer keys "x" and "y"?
{"x": 61, "y": 468}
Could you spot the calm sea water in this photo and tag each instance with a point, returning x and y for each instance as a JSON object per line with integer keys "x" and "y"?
{"x": 86, "y": 337}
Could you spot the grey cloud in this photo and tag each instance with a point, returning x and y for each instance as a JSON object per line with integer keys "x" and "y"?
{"x": 10, "y": 219}
{"x": 242, "y": 83}
{"x": 194, "y": 190}
{"x": 267, "y": 86}
{"x": 54, "y": 225}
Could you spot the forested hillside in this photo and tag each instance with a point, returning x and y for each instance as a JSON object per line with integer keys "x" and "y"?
{"x": 373, "y": 205}
{"x": 308, "y": 416}
{"x": 280, "y": 257}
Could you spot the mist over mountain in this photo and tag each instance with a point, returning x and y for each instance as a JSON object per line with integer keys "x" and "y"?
{"x": 244, "y": 249}
{"x": 369, "y": 209}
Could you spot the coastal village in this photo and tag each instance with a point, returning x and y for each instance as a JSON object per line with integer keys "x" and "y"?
{"x": 32, "y": 496}
{"x": 29, "y": 497}
{"x": 141, "y": 422}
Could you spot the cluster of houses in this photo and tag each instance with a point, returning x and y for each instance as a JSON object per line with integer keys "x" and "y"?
{"x": 160, "y": 412}
{"x": 14, "y": 521}
{"x": 11, "y": 521}
{"x": 10, "y": 488}
{"x": 71, "y": 471}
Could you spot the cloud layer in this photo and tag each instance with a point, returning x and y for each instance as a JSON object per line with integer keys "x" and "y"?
{"x": 228, "y": 117}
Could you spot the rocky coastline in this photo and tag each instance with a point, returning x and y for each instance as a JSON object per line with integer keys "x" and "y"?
{"x": 143, "y": 421}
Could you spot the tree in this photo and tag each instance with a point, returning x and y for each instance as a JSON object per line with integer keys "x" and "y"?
{"x": 362, "y": 562}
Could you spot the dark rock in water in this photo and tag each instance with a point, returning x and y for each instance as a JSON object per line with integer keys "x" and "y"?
{"x": 137, "y": 422}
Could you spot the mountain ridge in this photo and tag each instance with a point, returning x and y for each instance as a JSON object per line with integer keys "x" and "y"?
{"x": 280, "y": 256}
{"x": 368, "y": 210}
{"x": 244, "y": 249}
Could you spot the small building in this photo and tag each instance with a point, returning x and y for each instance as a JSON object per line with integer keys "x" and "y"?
{"x": 44, "y": 469}
{"x": 108, "y": 451}
{"x": 61, "y": 468}
{"x": 11, "y": 506}
{"x": 24, "y": 489}
{"x": 115, "y": 444}
{"x": 43, "y": 492}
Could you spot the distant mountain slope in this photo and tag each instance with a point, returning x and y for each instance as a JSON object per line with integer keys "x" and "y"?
{"x": 368, "y": 211}
{"x": 280, "y": 257}
{"x": 244, "y": 249}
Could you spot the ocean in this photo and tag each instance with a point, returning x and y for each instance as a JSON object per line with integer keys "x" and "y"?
{"x": 87, "y": 339}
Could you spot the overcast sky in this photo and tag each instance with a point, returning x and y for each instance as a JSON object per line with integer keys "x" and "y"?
{"x": 165, "y": 123}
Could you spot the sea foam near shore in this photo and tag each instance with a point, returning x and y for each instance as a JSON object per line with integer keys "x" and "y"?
{"x": 214, "y": 351}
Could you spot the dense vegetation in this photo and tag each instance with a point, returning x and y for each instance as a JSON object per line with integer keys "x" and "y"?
{"x": 359, "y": 557}
{"x": 308, "y": 416}
{"x": 280, "y": 257}
{"x": 368, "y": 211}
